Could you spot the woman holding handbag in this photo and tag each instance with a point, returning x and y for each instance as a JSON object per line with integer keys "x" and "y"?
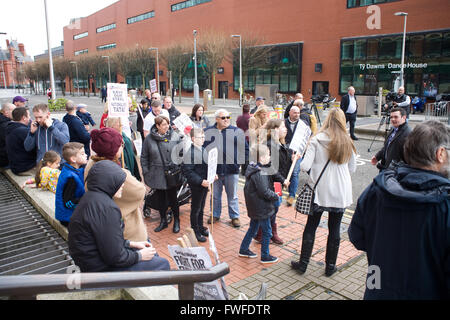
{"x": 331, "y": 158}
{"x": 160, "y": 172}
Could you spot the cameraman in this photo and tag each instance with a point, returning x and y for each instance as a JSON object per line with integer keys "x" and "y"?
{"x": 401, "y": 100}
{"x": 393, "y": 146}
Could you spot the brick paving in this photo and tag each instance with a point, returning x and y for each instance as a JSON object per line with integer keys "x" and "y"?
{"x": 247, "y": 275}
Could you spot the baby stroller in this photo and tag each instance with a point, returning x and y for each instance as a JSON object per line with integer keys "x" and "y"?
{"x": 183, "y": 197}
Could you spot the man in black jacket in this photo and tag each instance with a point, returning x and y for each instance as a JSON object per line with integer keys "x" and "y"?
{"x": 350, "y": 108}
{"x": 393, "y": 146}
{"x": 21, "y": 161}
{"x": 77, "y": 130}
{"x": 96, "y": 241}
{"x": 173, "y": 112}
{"x": 402, "y": 221}
{"x": 5, "y": 118}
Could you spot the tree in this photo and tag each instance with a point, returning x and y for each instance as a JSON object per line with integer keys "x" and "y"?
{"x": 213, "y": 46}
{"x": 177, "y": 57}
{"x": 124, "y": 62}
{"x": 62, "y": 69}
{"x": 144, "y": 62}
{"x": 43, "y": 73}
{"x": 86, "y": 70}
{"x": 254, "y": 53}
{"x": 31, "y": 74}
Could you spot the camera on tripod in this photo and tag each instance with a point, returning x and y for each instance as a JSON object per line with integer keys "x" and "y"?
{"x": 390, "y": 98}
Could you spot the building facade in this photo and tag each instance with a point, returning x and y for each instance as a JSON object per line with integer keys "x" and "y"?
{"x": 56, "y": 53}
{"x": 319, "y": 46}
{"x": 12, "y": 61}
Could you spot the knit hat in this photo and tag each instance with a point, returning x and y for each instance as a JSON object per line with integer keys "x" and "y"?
{"x": 106, "y": 142}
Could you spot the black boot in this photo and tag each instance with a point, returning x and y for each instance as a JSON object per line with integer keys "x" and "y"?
{"x": 204, "y": 231}
{"x": 163, "y": 223}
{"x": 199, "y": 235}
{"x": 305, "y": 255}
{"x": 176, "y": 222}
{"x": 169, "y": 216}
{"x": 331, "y": 256}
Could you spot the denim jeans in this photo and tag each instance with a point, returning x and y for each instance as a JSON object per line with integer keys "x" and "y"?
{"x": 294, "y": 179}
{"x": 266, "y": 235}
{"x": 230, "y": 182}
{"x": 277, "y": 206}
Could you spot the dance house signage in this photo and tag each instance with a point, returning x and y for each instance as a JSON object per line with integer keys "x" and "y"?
{"x": 368, "y": 66}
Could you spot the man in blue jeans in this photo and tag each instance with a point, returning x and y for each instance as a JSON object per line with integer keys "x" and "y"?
{"x": 232, "y": 152}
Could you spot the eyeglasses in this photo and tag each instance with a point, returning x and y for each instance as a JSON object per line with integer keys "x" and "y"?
{"x": 223, "y": 118}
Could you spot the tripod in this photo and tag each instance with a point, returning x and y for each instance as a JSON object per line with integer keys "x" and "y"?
{"x": 316, "y": 112}
{"x": 386, "y": 120}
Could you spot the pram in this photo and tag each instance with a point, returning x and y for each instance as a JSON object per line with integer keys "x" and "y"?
{"x": 183, "y": 196}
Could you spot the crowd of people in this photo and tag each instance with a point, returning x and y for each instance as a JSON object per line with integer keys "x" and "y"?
{"x": 101, "y": 184}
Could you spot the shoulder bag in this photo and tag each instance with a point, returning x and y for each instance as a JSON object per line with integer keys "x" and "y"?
{"x": 305, "y": 198}
{"x": 174, "y": 177}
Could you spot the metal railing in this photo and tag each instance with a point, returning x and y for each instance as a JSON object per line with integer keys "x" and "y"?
{"x": 27, "y": 287}
{"x": 439, "y": 111}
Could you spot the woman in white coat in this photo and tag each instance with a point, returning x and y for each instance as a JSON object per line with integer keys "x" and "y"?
{"x": 334, "y": 190}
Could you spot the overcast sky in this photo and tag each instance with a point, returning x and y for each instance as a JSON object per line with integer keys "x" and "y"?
{"x": 24, "y": 20}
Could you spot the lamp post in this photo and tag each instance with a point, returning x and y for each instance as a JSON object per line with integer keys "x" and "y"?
{"x": 196, "y": 88}
{"x": 76, "y": 69}
{"x": 52, "y": 77}
{"x": 109, "y": 67}
{"x": 3, "y": 68}
{"x": 404, "y": 14}
{"x": 157, "y": 66}
{"x": 241, "y": 91}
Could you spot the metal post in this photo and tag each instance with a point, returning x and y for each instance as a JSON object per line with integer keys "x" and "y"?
{"x": 157, "y": 67}
{"x": 405, "y": 14}
{"x": 196, "y": 88}
{"x": 241, "y": 89}
{"x": 52, "y": 78}
{"x": 78, "y": 82}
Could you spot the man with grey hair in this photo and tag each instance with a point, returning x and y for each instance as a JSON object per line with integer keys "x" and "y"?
{"x": 402, "y": 221}
{"x": 350, "y": 108}
{"x": 298, "y": 96}
{"x": 77, "y": 130}
{"x": 402, "y": 100}
{"x": 232, "y": 152}
{"x": 5, "y": 118}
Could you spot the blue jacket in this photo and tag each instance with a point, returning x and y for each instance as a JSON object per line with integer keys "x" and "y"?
{"x": 20, "y": 160}
{"x": 402, "y": 222}
{"x": 78, "y": 132}
{"x": 46, "y": 139}
{"x": 228, "y": 162}
{"x": 86, "y": 118}
{"x": 62, "y": 213}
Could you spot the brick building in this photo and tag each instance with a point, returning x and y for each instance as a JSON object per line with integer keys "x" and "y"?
{"x": 12, "y": 60}
{"x": 317, "y": 46}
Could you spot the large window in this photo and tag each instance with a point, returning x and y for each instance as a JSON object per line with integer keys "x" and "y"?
{"x": 282, "y": 66}
{"x": 81, "y": 52}
{"x": 141, "y": 17}
{"x": 187, "y": 4}
{"x": 375, "y": 62}
{"x": 106, "y": 28}
{"x": 363, "y": 3}
{"x": 106, "y": 47}
{"x": 81, "y": 35}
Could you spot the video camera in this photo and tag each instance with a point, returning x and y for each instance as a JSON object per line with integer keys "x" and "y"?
{"x": 390, "y": 97}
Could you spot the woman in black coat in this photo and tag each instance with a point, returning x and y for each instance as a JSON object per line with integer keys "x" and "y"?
{"x": 96, "y": 241}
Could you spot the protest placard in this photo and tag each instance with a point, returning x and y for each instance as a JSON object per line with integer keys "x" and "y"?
{"x": 212, "y": 165}
{"x": 300, "y": 138}
{"x": 117, "y": 100}
{"x": 183, "y": 122}
{"x": 153, "y": 86}
{"x": 197, "y": 258}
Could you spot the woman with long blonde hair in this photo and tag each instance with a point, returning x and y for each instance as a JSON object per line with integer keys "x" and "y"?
{"x": 332, "y": 149}
{"x": 256, "y": 124}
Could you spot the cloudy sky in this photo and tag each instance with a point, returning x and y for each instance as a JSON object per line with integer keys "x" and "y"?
{"x": 24, "y": 20}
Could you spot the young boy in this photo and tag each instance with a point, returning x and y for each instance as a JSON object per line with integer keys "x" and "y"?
{"x": 195, "y": 169}
{"x": 70, "y": 187}
{"x": 85, "y": 116}
{"x": 260, "y": 200}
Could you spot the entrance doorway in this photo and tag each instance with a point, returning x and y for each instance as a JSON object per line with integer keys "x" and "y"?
{"x": 320, "y": 87}
{"x": 223, "y": 89}
{"x": 162, "y": 88}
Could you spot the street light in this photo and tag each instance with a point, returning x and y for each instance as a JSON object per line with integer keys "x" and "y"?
{"x": 109, "y": 68}
{"x": 157, "y": 66}
{"x": 241, "y": 91}
{"x": 405, "y": 14}
{"x": 78, "y": 83}
{"x": 52, "y": 77}
{"x": 196, "y": 88}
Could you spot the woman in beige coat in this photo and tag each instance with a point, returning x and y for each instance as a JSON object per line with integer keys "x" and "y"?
{"x": 107, "y": 144}
{"x": 256, "y": 123}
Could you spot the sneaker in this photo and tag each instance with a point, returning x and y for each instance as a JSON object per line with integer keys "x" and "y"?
{"x": 247, "y": 253}
{"x": 269, "y": 259}
{"x": 235, "y": 222}
{"x": 215, "y": 220}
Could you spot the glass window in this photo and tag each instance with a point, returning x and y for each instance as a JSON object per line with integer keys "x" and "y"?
{"x": 106, "y": 47}
{"x": 366, "y": 2}
{"x": 416, "y": 46}
{"x": 430, "y": 84}
{"x": 106, "y": 28}
{"x": 433, "y": 44}
{"x": 413, "y": 81}
{"x": 347, "y": 50}
{"x": 372, "y": 48}
{"x": 387, "y": 47}
{"x": 81, "y": 35}
{"x": 359, "y": 51}
{"x": 446, "y": 45}
{"x": 141, "y": 17}
{"x": 293, "y": 87}
{"x": 284, "y": 83}
{"x": 352, "y": 3}
{"x": 346, "y": 81}
{"x": 187, "y": 4}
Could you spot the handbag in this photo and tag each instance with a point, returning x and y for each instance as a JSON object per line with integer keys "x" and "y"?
{"x": 305, "y": 199}
{"x": 174, "y": 177}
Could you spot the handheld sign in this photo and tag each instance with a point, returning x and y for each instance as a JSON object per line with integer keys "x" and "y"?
{"x": 117, "y": 100}
{"x": 153, "y": 86}
{"x": 212, "y": 165}
{"x": 300, "y": 138}
{"x": 182, "y": 122}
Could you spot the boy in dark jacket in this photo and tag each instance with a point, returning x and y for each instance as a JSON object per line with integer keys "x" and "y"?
{"x": 260, "y": 199}
{"x": 70, "y": 186}
{"x": 85, "y": 116}
{"x": 195, "y": 169}
{"x": 96, "y": 241}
